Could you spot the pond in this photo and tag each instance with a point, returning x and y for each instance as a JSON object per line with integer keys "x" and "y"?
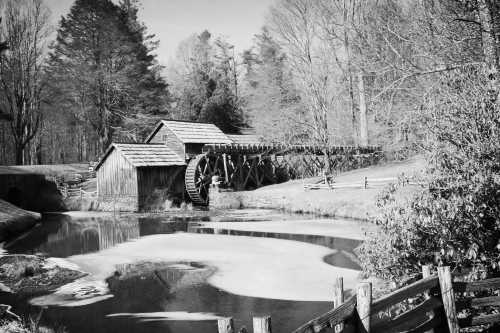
{"x": 181, "y": 271}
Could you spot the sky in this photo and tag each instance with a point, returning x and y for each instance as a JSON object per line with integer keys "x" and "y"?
{"x": 175, "y": 20}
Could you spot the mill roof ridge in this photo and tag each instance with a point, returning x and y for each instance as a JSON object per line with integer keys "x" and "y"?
{"x": 144, "y": 154}
{"x": 192, "y": 132}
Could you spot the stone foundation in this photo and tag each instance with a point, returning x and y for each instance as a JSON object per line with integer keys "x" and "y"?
{"x": 118, "y": 203}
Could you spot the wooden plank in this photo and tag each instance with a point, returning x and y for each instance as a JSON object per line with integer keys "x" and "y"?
{"x": 338, "y": 299}
{"x": 478, "y": 302}
{"x": 426, "y": 272}
{"x": 480, "y": 320}
{"x": 262, "y": 324}
{"x": 332, "y": 317}
{"x": 477, "y": 285}
{"x": 364, "y": 301}
{"x": 404, "y": 293}
{"x": 448, "y": 297}
{"x": 431, "y": 324}
{"x": 225, "y": 325}
{"x": 409, "y": 319}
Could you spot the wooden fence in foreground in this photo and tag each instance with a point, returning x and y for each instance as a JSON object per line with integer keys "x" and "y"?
{"x": 429, "y": 305}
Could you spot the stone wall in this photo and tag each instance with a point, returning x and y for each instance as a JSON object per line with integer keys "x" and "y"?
{"x": 228, "y": 199}
{"x": 110, "y": 203}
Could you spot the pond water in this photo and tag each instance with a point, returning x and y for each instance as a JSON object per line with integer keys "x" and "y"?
{"x": 180, "y": 272}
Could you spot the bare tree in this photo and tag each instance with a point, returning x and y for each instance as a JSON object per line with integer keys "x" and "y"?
{"x": 339, "y": 23}
{"x": 294, "y": 22}
{"x": 489, "y": 42}
{"x": 25, "y": 30}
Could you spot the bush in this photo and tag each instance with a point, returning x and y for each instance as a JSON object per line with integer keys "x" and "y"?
{"x": 455, "y": 218}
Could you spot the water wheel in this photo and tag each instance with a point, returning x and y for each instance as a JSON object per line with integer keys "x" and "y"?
{"x": 199, "y": 173}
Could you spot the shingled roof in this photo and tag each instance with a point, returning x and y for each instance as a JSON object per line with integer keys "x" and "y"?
{"x": 142, "y": 155}
{"x": 192, "y": 132}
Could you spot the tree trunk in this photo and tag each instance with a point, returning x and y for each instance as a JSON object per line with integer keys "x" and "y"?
{"x": 349, "y": 74}
{"x": 489, "y": 46}
{"x": 363, "y": 121}
{"x": 19, "y": 154}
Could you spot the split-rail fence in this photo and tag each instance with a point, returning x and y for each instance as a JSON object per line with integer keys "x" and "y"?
{"x": 434, "y": 303}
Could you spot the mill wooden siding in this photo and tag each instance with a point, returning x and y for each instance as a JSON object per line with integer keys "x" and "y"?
{"x": 167, "y": 137}
{"x": 116, "y": 178}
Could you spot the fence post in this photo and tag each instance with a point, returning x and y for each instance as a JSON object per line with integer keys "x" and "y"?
{"x": 364, "y": 300}
{"x": 426, "y": 272}
{"x": 448, "y": 297}
{"x": 225, "y": 325}
{"x": 262, "y": 324}
{"x": 338, "y": 299}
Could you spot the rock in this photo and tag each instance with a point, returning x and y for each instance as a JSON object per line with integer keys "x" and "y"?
{"x": 28, "y": 275}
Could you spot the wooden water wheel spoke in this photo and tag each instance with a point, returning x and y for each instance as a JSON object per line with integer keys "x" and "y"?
{"x": 198, "y": 178}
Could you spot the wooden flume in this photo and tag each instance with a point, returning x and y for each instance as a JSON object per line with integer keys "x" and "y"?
{"x": 250, "y": 166}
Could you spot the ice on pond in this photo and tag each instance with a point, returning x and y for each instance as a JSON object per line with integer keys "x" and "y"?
{"x": 330, "y": 228}
{"x": 246, "y": 266}
{"x": 174, "y": 315}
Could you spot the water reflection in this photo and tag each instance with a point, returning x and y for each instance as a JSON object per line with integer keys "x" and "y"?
{"x": 172, "y": 289}
{"x": 142, "y": 288}
{"x": 61, "y": 236}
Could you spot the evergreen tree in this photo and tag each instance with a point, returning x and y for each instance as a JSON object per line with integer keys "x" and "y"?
{"x": 152, "y": 99}
{"x": 102, "y": 70}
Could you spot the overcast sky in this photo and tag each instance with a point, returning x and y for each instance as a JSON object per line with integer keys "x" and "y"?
{"x": 174, "y": 20}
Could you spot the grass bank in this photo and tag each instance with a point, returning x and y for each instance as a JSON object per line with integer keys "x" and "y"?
{"x": 356, "y": 203}
{"x": 14, "y": 220}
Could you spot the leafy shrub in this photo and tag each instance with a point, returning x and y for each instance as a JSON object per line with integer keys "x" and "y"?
{"x": 455, "y": 218}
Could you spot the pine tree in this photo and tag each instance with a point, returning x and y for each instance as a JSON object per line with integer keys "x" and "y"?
{"x": 102, "y": 70}
{"x": 152, "y": 99}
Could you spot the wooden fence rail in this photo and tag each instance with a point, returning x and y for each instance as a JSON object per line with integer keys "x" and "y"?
{"x": 425, "y": 306}
{"x": 430, "y": 305}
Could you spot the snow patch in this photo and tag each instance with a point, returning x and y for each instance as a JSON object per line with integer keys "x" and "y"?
{"x": 328, "y": 227}
{"x": 174, "y": 315}
{"x": 87, "y": 214}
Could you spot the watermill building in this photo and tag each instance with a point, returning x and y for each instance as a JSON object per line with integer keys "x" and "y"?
{"x": 182, "y": 157}
{"x": 129, "y": 174}
{"x": 187, "y": 138}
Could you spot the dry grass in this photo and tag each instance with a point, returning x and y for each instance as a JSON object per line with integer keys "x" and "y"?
{"x": 30, "y": 326}
{"x": 48, "y": 169}
{"x": 357, "y": 203}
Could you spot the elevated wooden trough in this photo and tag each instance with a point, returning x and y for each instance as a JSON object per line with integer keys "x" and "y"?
{"x": 249, "y": 166}
{"x": 281, "y": 149}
